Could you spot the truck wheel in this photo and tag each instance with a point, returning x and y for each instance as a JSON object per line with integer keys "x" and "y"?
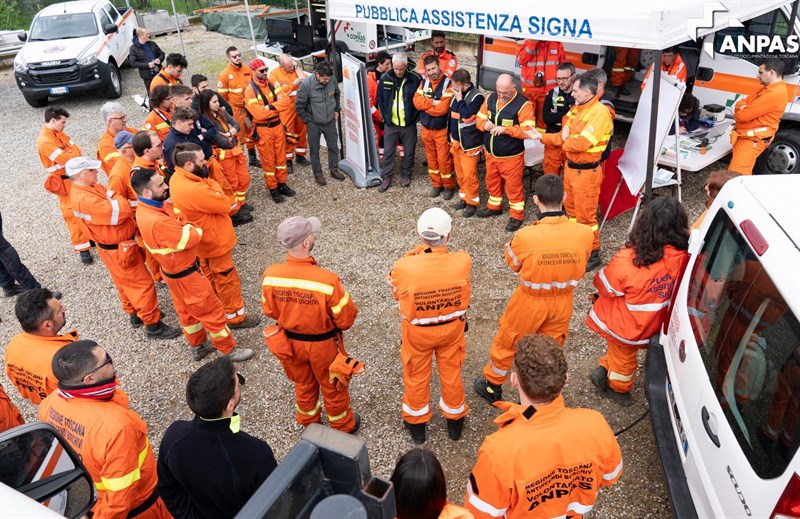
{"x": 336, "y": 60}
{"x": 36, "y": 102}
{"x": 783, "y": 155}
{"x": 114, "y": 88}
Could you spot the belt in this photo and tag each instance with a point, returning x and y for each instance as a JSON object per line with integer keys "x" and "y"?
{"x": 150, "y": 501}
{"x": 591, "y": 165}
{"x": 272, "y": 124}
{"x": 64, "y": 177}
{"x": 112, "y": 246}
{"x": 312, "y": 337}
{"x": 183, "y": 273}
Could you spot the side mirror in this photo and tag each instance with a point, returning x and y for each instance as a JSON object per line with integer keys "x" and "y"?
{"x": 590, "y": 58}
{"x": 37, "y": 462}
{"x": 110, "y": 27}
{"x": 22, "y": 36}
{"x": 704, "y": 74}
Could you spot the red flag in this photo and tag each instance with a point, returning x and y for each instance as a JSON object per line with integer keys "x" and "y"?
{"x": 624, "y": 201}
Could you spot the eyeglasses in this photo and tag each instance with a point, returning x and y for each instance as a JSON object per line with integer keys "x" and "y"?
{"x": 564, "y": 78}
{"x": 262, "y": 71}
{"x": 159, "y": 145}
{"x": 109, "y": 360}
{"x": 123, "y": 118}
{"x": 236, "y": 56}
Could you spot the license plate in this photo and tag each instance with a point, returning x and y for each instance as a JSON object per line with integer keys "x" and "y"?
{"x": 59, "y": 90}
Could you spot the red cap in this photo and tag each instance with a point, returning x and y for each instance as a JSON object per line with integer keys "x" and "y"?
{"x": 257, "y": 64}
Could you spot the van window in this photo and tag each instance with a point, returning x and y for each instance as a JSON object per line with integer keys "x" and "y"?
{"x": 111, "y": 12}
{"x": 768, "y": 24}
{"x": 63, "y": 26}
{"x": 749, "y": 340}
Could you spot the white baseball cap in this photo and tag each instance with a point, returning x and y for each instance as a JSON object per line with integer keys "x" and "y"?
{"x": 77, "y": 164}
{"x": 434, "y": 223}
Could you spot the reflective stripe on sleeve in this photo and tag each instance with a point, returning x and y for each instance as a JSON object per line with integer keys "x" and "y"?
{"x": 607, "y": 285}
{"x": 123, "y": 482}
{"x": 111, "y": 155}
{"x": 343, "y": 301}
{"x": 54, "y": 168}
{"x": 482, "y": 505}
{"x": 513, "y": 256}
{"x": 56, "y": 153}
{"x": 82, "y": 216}
{"x": 298, "y": 283}
{"x": 614, "y": 473}
{"x": 593, "y": 316}
{"x": 648, "y": 307}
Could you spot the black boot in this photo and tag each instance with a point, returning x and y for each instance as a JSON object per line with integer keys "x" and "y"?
{"x": 276, "y": 195}
{"x": 252, "y": 158}
{"x": 286, "y": 190}
{"x": 417, "y": 431}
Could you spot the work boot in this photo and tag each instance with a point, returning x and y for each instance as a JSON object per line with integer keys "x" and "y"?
{"x": 200, "y": 352}
{"x": 239, "y": 354}
{"x": 434, "y": 192}
{"x": 599, "y": 377}
{"x": 469, "y": 211}
{"x": 417, "y": 431}
{"x": 247, "y": 207}
{"x": 252, "y": 158}
{"x": 405, "y": 181}
{"x": 276, "y": 195}
{"x": 301, "y": 159}
{"x": 460, "y": 205}
{"x": 136, "y": 321}
{"x": 286, "y": 190}
{"x": 320, "y": 179}
{"x": 289, "y": 167}
{"x": 160, "y": 330}
{"x": 513, "y": 225}
{"x": 241, "y": 218}
{"x": 487, "y": 390}
{"x": 249, "y": 321}
{"x": 385, "y": 183}
{"x": 11, "y": 291}
{"x": 336, "y": 174}
{"x": 455, "y": 428}
{"x": 448, "y": 192}
{"x": 594, "y": 261}
{"x": 357, "y": 426}
{"x": 485, "y": 212}
{"x": 623, "y": 399}
{"x": 86, "y": 257}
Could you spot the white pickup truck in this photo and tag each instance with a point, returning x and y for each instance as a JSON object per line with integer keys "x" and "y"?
{"x": 74, "y": 47}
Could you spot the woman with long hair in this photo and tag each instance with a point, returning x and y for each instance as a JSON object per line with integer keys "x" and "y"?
{"x": 634, "y": 291}
{"x": 716, "y": 179}
{"x": 420, "y": 488}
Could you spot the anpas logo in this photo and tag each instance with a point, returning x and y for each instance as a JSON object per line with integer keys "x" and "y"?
{"x": 740, "y": 45}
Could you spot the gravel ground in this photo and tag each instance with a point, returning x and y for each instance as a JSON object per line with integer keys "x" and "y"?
{"x": 363, "y": 233}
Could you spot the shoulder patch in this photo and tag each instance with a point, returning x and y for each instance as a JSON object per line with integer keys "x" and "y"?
{"x": 147, "y": 126}
{"x": 219, "y": 84}
{"x": 230, "y": 76}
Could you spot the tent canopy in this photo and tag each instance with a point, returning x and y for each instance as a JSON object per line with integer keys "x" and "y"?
{"x": 651, "y": 24}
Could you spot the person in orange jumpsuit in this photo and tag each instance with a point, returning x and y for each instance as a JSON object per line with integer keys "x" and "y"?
{"x": 29, "y": 354}
{"x": 149, "y": 152}
{"x": 585, "y": 135}
{"x": 55, "y": 149}
{"x": 576, "y": 452}
{"x": 312, "y": 308}
{"x": 714, "y": 183}
{"x": 111, "y": 225}
{"x": 288, "y": 79}
{"x": 556, "y": 105}
{"x": 92, "y": 414}
{"x": 448, "y": 61}
{"x": 115, "y": 118}
{"x": 173, "y": 241}
{"x": 205, "y": 205}
{"x": 420, "y": 488}
{"x": 549, "y": 258}
{"x": 383, "y": 62}
{"x": 432, "y": 99}
{"x": 265, "y": 103}
{"x": 634, "y": 291}
{"x": 626, "y": 62}
{"x": 758, "y": 116}
{"x": 671, "y": 65}
{"x": 231, "y": 83}
{"x": 158, "y": 120}
{"x": 433, "y": 288}
{"x": 505, "y": 118}
{"x": 466, "y": 139}
{"x": 784, "y": 409}
{"x": 171, "y": 72}
{"x": 10, "y": 416}
{"x": 538, "y": 60}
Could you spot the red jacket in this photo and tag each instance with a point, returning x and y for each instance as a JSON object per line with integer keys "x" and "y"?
{"x": 536, "y": 56}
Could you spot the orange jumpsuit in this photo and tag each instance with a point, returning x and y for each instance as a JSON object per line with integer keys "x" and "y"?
{"x": 785, "y": 406}
{"x": 451, "y": 511}
{"x": 55, "y": 149}
{"x": 163, "y": 79}
{"x": 110, "y": 221}
{"x": 377, "y": 118}
{"x": 631, "y": 307}
{"x": 204, "y": 204}
{"x": 505, "y": 154}
{"x": 538, "y": 57}
{"x": 106, "y": 152}
{"x": 549, "y": 257}
{"x": 757, "y": 119}
{"x": 234, "y": 167}
{"x": 29, "y": 360}
{"x": 296, "y": 139}
{"x": 590, "y": 127}
{"x": 313, "y": 307}
{"x": 173, "y": 243}
{"x": 467, "y": 143}
{"x": 625, "y": 63}
{"x": 433, "y": 288}
{"x": 111, "y": 440}
{"x": 677, "y": 70}
{"x": 271, "y": 144}
{"x": 158, "y": 121}
{"x": 10, "y": 416}
{"x": 448, "y": 62}
{"x": 576, "y": 454}
{"x": 433, "y": 120}
{"x": 230, "y": 85}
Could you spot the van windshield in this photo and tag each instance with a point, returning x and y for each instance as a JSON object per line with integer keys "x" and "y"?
{"x": 64, "y": 26}
{"x": 749, "y": 340}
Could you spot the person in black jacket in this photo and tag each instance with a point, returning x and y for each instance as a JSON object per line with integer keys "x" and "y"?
{"x": 145, "y": 55}
{"x": 556, "y": 105}
{"x": 207, "y": 467}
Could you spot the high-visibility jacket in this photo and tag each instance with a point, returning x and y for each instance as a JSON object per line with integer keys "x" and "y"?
{"x": 448, "y": 62}
{"x": 106, "y": 152}
{"x": 29, "y": 360}
{"x": 163, "y": 79}
{"x": 10, "y": 416}
{"x": 432, "y": 285}
{"x": 516, "y": 116}
{"x": 451, "y": 511}
{"x": 169, "y": 236}
{"x": 633, "y": 300}
{"x": 267, "y": 108}
{"x": 107, "y": 214}
{"x": 111, "y": 440}
{"x": 119, "y": 181}
{"x": 536, "y": 56}
{"x": 590, "y": 126}
{"x": 158, "y": 121}
{"x": 434, "y": 117}
{"x": 232, "y": 82}
{"x": 205, "y": 205}
{"x": 396, "y": 98}
{"x": 677, "y": 70}
{"x": 372, "y": 91}
{"x": 463, "y": 117}
{"x": 550, "y": 255}
{"x": 758, "y": 115}
{"x": 305, "y": 298}
{"x": 284, "y": 80}
{"x": 55, "y": 149}
{"x": 576, "y": 455}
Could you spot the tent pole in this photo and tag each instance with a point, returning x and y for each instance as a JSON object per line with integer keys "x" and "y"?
{"x": 250, "y": 23}
{"x": 178, "y": 28}
{"x": 651, "y": 146}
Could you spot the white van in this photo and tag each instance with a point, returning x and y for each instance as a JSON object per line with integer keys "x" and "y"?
{"x": 723, "y": 378}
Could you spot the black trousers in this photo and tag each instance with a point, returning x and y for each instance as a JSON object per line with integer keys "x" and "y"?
{"x": 11, "y": 267}
{"x": 392, "y": 136}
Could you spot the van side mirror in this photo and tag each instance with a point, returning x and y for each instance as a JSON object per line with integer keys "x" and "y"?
{"x": 109, "y": 28}
{"x": 704, "y": 74}
{"x": 22, "y": 36}
{"x": 37, "y": 462}
{"x": 589, "y": 58}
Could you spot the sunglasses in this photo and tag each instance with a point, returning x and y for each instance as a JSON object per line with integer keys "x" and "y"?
{"x": 109, "y": 360}
{"x": 262, "y": 71}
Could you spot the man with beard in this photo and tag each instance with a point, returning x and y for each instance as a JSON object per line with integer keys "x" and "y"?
{"x": 230, "y": 86}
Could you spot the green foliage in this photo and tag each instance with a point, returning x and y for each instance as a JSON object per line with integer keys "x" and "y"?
{"x": 12, "y": 15}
